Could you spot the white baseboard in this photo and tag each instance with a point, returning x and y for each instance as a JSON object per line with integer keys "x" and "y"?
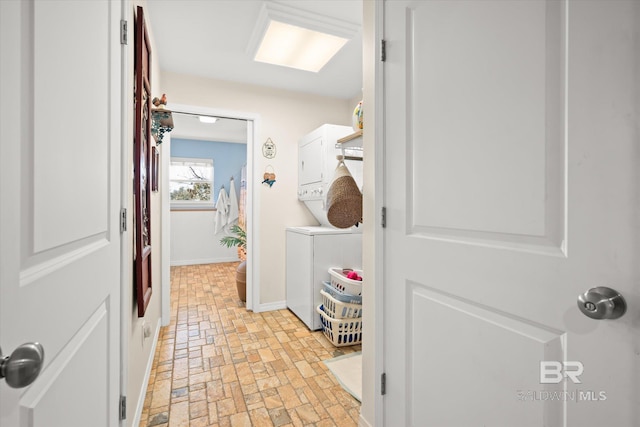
{"x": 147, "y": 374}
{"x": 271, "y": 306}
{"x": 203, "y": 261}
{"x": 362, "y": 422}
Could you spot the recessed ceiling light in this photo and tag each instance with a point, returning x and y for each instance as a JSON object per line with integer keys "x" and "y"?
{"x": 207, "y": 119}
{"x": 297, "y": 38}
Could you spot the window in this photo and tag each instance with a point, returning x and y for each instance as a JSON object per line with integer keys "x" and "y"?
{"x": 191, "y": 182}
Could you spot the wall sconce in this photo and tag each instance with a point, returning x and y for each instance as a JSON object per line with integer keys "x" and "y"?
{"x": 161, "y": 119}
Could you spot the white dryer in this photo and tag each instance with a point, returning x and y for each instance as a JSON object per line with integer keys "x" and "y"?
{"x": 316, "y": 166}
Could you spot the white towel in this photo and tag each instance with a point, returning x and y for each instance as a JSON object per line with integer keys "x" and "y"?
{"x": 222, "y": 210}
{"x": 233, "y": 203}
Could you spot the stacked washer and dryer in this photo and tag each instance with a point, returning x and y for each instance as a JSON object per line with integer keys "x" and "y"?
{"x": 312, "y": 250}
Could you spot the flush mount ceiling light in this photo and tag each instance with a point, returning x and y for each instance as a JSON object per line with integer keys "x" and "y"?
{"x": 207, "y": 119}
{"x": 297, "y": 47}
{"x": 296, "y": 38}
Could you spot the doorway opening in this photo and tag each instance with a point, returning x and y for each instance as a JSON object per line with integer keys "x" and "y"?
{"x": 208, "y": 165}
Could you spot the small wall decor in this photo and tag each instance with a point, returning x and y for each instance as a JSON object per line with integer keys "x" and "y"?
{"x": 269, "y": 176}
{"x": 269, "y": 149}
{"x": 358, "y": 117}
{"x": 161, "y": 119}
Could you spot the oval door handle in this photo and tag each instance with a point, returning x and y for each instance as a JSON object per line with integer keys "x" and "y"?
{"x": 602, "y": 303}
{"x": 23, "y": 366}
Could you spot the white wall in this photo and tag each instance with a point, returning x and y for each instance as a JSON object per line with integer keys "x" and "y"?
{"x": 284, "y": 117}
{"x": 193, "y": 240}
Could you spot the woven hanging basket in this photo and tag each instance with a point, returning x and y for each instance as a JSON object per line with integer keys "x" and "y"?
{"x": 344, "y": 199}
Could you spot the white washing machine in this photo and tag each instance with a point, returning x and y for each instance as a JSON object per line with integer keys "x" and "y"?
{"x": 310, "y": 252}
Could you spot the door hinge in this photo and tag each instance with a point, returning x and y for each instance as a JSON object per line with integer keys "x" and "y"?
{"x": 383, "y": 384}
{"x": 383, "y": 50}
{"x": 123, "y": 408}
{"x": 383, "y": 217}
{"x": 123, "y": 31}
{"x": 123, "y": 220}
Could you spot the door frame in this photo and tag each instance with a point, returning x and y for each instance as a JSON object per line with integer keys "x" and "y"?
{"x": 372, "y": 411}
{"x": 126, "y": 189}
{"x": 252, "y": 206}
{"x": 375, "y": 86}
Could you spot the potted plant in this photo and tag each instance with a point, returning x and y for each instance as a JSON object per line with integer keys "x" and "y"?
{"x": 239, "y": 239}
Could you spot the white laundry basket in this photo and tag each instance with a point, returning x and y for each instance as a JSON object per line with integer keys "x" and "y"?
{"x": 338, "y": 309}
{"x": 339, "y": 281}
{"x": 341, "y": 332}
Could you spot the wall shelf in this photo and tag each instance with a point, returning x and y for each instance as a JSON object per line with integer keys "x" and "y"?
{"x": 350, "y": 137}
{"x": 351, "y": 141}
{"x": 351, "y": 146}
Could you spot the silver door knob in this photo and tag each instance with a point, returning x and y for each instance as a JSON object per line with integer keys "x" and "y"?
{"x": 23, "y": 366}
{"x": 602, "y": 303}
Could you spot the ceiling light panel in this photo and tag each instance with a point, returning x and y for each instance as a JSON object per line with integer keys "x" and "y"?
{"x": 297, "y": 47}
{"x": 296, "y": 38}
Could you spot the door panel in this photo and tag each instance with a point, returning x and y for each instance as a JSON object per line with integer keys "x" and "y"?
{"x": 511, "y": 188}
{"x": 87, "y": 139}
{"x": 86, "y": 352}
{"x": 487, "y": 121}
{"x": 310, "y": 165}
{"x": 59, "y": 205}
{"x": 474, "y": 348}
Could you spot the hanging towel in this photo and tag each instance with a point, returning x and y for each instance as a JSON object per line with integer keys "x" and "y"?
{"x": 242, "y": 202}
{"x": 222, "y": 210}
{"x": 233, "y": 203}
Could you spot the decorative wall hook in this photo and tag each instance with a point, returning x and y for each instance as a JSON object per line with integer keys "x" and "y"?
{"x": 269, "y": 149}
{"x": 269, "y": 176}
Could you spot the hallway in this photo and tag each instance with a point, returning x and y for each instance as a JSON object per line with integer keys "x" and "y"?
{"x": 217, "y": 364}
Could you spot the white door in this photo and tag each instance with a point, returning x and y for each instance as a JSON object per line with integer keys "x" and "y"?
{"x": 512, "y": 187}
{"x": 59, "y": 202}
